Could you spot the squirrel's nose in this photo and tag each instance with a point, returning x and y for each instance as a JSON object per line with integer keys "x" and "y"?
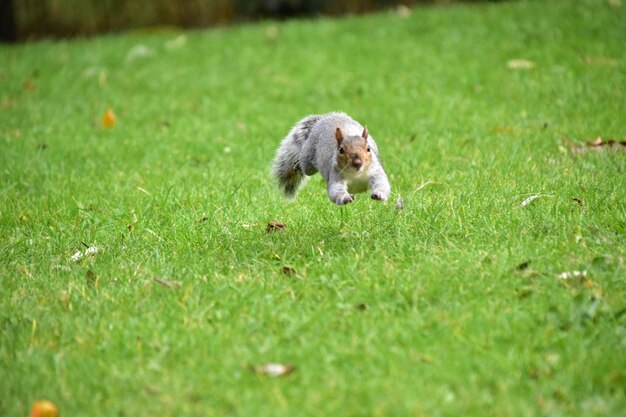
{"x": 357, "y": 163}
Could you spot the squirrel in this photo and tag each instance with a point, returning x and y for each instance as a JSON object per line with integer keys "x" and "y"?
{"x": 340, "y": 149}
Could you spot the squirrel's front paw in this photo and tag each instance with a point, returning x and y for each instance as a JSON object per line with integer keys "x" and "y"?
{"x": 344, "y": 199}
{"x": 379, "y": 195}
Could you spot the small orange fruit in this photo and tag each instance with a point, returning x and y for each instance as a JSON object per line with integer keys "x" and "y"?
{"x": 109, "y": 119}
{"x": 44, "y": 408}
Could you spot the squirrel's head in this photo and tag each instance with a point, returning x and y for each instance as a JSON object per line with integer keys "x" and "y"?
{"x": 353, "y": 152}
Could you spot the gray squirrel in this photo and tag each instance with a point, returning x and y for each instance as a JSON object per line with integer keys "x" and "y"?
{"x": 337, "y": 147}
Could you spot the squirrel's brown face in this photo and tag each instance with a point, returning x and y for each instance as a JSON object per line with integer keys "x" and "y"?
{"x": 353, "y": 152}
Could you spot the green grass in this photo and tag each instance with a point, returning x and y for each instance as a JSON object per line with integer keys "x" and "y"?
{"x": 420, "y": 313}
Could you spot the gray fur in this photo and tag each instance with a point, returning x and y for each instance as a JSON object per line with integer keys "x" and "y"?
{"x": 311, "y": 147}
{"x": 286, "y": 167}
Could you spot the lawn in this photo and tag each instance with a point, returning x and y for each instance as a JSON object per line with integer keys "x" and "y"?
{"x": 465, "y": 303}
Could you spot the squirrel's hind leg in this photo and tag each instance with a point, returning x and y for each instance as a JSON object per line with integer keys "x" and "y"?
{"x": 291, "y": 180}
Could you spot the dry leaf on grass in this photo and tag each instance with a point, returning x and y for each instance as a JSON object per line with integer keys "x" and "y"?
{"x": 273, "y": 369}
{"x": 275, "y": 227}
{"x": 597, "y": 144}
{"x": 287, "y": 270}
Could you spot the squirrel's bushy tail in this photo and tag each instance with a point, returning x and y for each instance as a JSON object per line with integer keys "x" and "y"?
{"x": 286, "y": 167}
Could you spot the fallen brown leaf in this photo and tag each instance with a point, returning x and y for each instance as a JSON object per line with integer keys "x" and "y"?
{"x": 609, "y": 142}
{"x": 287, "y": 270}
{"x": 275, "y": 226}
{"x": 597, "y": 144}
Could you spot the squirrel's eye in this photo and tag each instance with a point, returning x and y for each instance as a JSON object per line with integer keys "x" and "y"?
{"x": 341, "y": 150}
{"x": 368, "y": 148}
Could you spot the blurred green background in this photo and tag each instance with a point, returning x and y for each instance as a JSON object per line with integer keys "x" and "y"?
{"x": 33, "y": 19}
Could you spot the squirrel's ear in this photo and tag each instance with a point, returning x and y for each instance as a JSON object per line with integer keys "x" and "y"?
{"x": 339, "y": 136}
{"x": 365, "y": 133}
